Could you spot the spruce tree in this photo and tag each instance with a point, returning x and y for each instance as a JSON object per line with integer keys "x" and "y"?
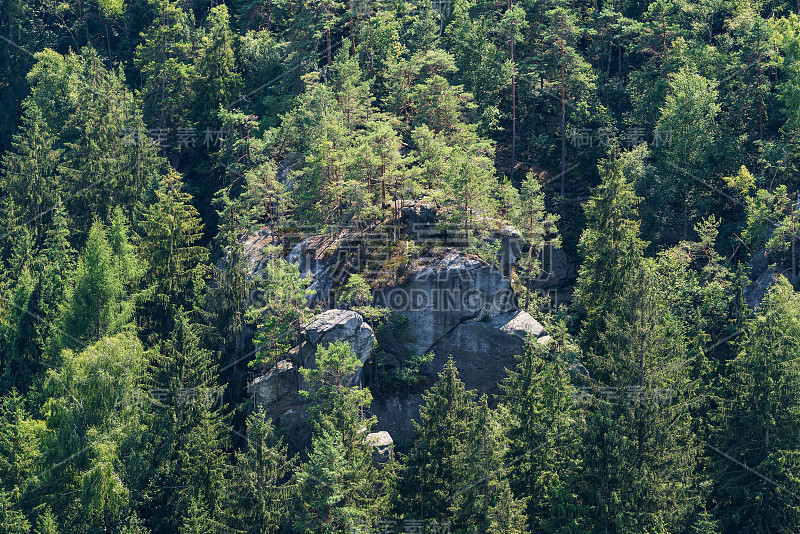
{"x": 755, "y": 446}
{"x": 218, "y": 80}
{"x": 640, "y": 454}
{"x": 29, "y": 171}
{"x": 610, "y": 245}
{"x": 340, "y": 487}
{"x": 436, "y": 470}
{"x": 164, "y": 58}
{"x": 170, "y": 231}
{"x": 262, "y": 477}
{"x": 543, "y": 428}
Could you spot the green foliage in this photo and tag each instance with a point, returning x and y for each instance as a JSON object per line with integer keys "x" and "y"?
{"x": 264, "y": 496}
{"x": 543, "y": 429}
{"x": 410, "y": 373}
{"x": 340, "y": 486}
{"x": 611, "y": 247}
{"x": 96, "y": 303}
{"x": 760, "y": 409}
{"x": 128, "y": 289}
{"x": 281, "y": 312}
{"x": 169, "y": 235}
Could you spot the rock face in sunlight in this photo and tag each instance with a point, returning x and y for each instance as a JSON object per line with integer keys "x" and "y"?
{"x": 461, "y": 307}
{"x": 455, "y": 305}
{"x": 337, "y": 325}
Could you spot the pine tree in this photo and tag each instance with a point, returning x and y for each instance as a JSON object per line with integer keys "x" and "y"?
{"x": 526, "y": 211}
{"x": 281, "y": 313}
{"x": 471, "y": 184}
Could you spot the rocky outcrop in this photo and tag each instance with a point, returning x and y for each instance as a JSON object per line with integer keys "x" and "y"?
{"x": 452, "y": 302}
{"x": 337, "y": 325}
{"x": 461, "y": 307}
{"x": 455, "y": 305}
{"x": 755, "y": 291}
{"x": 274, "y": 386}
{"x": 277, "y": 391}
{"x": 253, "y": 247}
{"x": 294, "y": 424}
{"x": 382, "y": 446}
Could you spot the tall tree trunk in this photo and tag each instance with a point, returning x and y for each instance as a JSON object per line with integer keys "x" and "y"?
{"x": 329, "y": 45}
{"x": 513, "y": 111}
{"x": 563, "y": 117}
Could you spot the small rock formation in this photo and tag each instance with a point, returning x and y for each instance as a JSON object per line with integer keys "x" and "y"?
{"x": 382, "y": 446}
{"x": 253, "y": 248}
{"x": 274, "y": 386}
{"x": 755, "y": 291}
{"x": 337, "y": 325}
{"x": 278, "y": 389}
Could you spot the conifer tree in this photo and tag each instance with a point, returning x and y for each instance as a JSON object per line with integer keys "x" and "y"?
{"x": 96, "y": 303}
{"x": 543, "y": 428}
{"x": 340, "y": 487}
{"x": 640, "y": 461}
{"x": 262, "y": 477}
{"x": 218, "y": 80}
{"x": 170, "y": 230}
{"x": 755, "y": 431}
{"x": 164, "y": 59}
{"x": 282, "y": 311}
{"x": 437, "y": 469}
{"x": 610, "y": 245}
{"x": 30, "y": 174}
{"x": 189, "y": 427}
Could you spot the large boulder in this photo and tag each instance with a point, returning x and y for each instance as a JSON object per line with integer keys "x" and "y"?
{"x": 337, "y": 325}
{"x": 458, "y": 292}
{"x": 440, "y": 296}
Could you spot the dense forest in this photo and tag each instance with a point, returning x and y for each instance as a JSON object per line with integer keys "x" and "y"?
{"x": 145, "y": 145}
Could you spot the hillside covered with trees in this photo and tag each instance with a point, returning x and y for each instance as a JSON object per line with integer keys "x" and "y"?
{"x": 162, "y": 162}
